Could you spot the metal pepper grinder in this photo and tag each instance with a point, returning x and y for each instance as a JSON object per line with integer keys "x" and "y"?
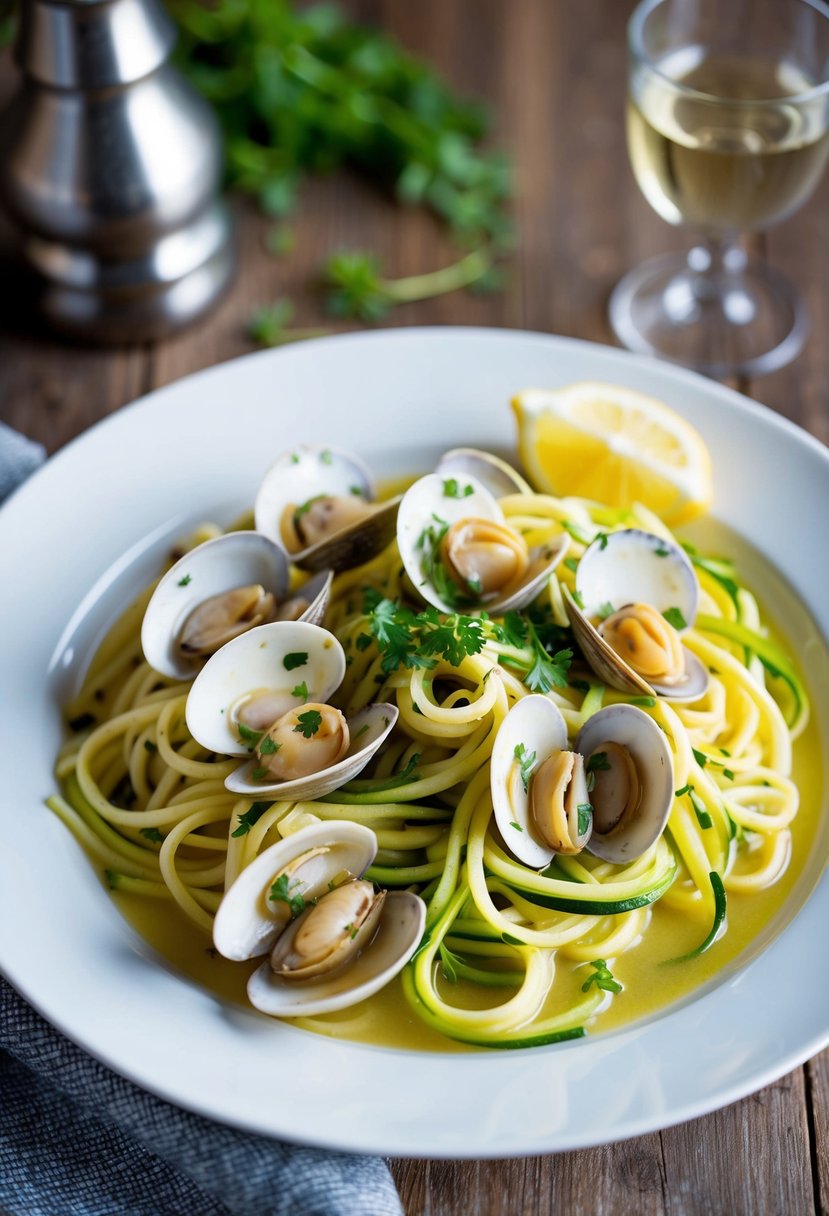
{"x": 110, "y": 166}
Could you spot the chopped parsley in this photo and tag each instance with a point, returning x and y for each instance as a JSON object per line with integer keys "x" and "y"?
{"x": 686, "y": 789}
{"x": 258, "y": 773}
{"x": 572, "y": 563}
{"x": 297, "y": 658}
{"x": 301, "y": 691}
{"x": 150, "y": 747}
{"x": 152, "y": 834}
{"x": 728, "y": 773}
{"x": 183, "y": 582}
{"x": 248, "y": 736}
{"x": 700, "y": 757}
{"x": 251, "y": 817}
{"x": 601, "y": 537}
{"x": 326, "y": 457}
{"x": 285, "y": 891}
{"x": 308, "y": 723}
{"x": 585, "y": 814}
{"x": 661, "y": 551}
{"x": 351, "y": 930}
{"x": 579, "y": 598}
{"x": 451, "y": 489}
{"x": 515, "y": 825}
{"x": 645, "y": 702}
{"x": 269, "y": 746}
{"x": 432, "y": 567}
{"x": 598, "y": 763}
{"x": 602, "y": 977}
{"x": 363, "y": 729}
{"x": 674, "y": 617}
{"x": 526, "y": 760}
{"x": 605, "y": 610}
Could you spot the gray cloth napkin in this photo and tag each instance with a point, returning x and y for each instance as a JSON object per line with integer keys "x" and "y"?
{"x": 19, "y": 457}
{"x": 78, "y": 1140}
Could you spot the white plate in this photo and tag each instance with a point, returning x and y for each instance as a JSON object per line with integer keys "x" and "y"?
{"x": 99, "y": 512}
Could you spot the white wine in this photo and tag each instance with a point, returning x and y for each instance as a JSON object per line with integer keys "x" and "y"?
{"x": 737, "y": 154}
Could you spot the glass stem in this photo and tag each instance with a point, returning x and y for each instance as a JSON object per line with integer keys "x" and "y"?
{"x": 713, "y": 262}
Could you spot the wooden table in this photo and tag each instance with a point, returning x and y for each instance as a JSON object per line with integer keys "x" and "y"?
{"x": 554, "y": 73}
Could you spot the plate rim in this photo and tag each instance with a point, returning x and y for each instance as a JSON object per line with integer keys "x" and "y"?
{"x": 678, "y": 375}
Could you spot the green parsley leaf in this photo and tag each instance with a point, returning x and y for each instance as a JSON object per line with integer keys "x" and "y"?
{"x": 728, "y": 773}
{"x": 297, "y": 658}
{"x": 572, "y": 564}
{"x": 579, "y": 598}
{"x": 515, "y": 825}
{"x": 585, "y": 814}
{"x": 674, "y": 617}
{"x": 526, "y": 760}
{"x": 700, "y": 757}
{"x": 248, "y": 818}
{"x": 452, "y": 489}
{"x": 301, "y": 690}
{"x": 269, "y": 746}
{"x": 598, "y": 763}
{"x": 183, "y": 582}
{"x": 152, "y": 834}
{"x": 248, "y": 736}
{"x": 150, "y": 747}
{"x": 326, "y": 457}
{"x": 602, "y": 977}
{"x": 661, "y": 551}
{"x": 605, "y": 610}
{"x": 308, "y": 723}
{"x": 258, "y": 773}
{"x": 285, "y": 891}
{"x": 645, "y": 702}
{"x": 686, "y": 789}
{"x": 601, "y": 537}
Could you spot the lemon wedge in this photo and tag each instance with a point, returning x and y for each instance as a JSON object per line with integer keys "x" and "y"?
{"x": 615, "y": 446}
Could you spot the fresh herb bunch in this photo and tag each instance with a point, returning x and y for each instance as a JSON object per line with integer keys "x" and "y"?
{"x": 308, "y": 91}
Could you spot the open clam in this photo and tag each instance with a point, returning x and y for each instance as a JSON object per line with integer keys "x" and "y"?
{"x": 332, "y": 940}
{"x": 217, "y": 592}
{"x": 461, "y": 554}
{"x": 316, "y": 503}
{"x": 635, "y": 593}
{"x": 264, "y": 696}
{"x": 610, "y": 794}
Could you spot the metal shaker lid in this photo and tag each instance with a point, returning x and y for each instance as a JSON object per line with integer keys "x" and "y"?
{"x": 92, "y": 44}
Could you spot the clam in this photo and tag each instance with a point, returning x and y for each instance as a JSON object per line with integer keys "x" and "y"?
{"x": 461, "y": 554}
{"x": 629, "y": 760}
{"x": 610, "y": 794}
{"x": 332, "y": 940}
{"x": 316, "y": 503}
{"x": 493, "y": 473}
{"x": 217, "y": 592}
{"x": 264, "y": 696}
{"x": 635, "y": 593}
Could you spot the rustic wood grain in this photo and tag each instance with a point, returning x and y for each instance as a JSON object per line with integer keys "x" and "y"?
{"x": 554, "y": 74}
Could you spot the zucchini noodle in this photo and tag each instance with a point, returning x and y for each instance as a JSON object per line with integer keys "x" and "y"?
{"x": 512, "y": 956}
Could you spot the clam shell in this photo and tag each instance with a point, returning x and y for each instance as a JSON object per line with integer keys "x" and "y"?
{"x": 367, "y": 730}
{"x": 306, "y": 472}
{"x": 317, "y": 590}
{"x": 256, "y": 661}
{"x": 493, "y": 473}
{"x": 398, "y": 936}
{"x": 235, "y": 560}
{"x": 633, "y": 566}
{"x": 612, "y": 669}
{"x": 248, "y": 923}
{"x": 635, "y": 730}
{"x": 535, "y": 722}
{"x": 425, "y": 504}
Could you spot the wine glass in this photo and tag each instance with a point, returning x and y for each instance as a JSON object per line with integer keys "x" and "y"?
{"x": 728, "y": 133}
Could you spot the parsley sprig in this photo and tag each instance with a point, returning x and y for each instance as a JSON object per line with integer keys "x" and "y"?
{"x": 416, "y": 639}
{"x": 306, "y": 90}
